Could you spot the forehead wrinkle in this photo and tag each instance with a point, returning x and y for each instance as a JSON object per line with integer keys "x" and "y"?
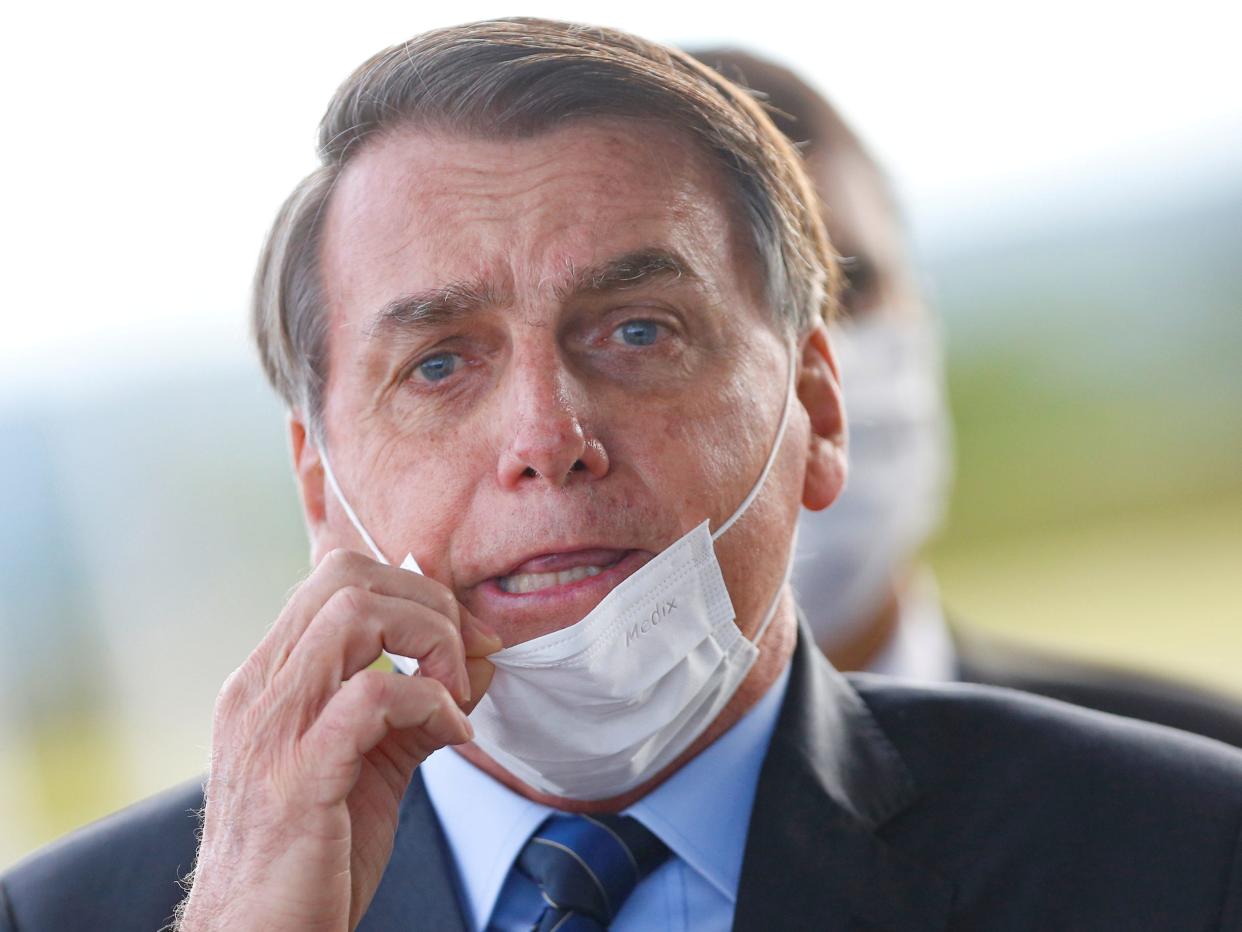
{"x": 680, "y": 212}
{"x": 517, "y": 181}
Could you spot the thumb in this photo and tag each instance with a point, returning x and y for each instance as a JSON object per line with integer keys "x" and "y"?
{"x": 478, "y": 639}
{"x": 479, "y": 671}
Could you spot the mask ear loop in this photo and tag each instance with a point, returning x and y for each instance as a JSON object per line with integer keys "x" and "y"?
{"x": 754, "y": 493}
{"x": 407, "y": 665}
{"x": 776, "y": 599}
{"x": 349, "y": 512}
{"x": 776, "y": 447}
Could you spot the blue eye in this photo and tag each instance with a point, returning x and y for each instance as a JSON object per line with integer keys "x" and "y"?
{"x": 639, "y": 332}
{"x": 438, "y": 367}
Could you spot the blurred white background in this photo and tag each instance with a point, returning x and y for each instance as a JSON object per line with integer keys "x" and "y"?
{"x": 1072, "y": 174}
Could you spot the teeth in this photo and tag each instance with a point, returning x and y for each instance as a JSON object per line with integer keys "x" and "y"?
{"x": 532, "y": 582}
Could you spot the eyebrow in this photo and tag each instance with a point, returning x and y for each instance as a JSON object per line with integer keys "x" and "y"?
{"x": 445, "y": 304}
{"x": 431, "y": 307}
{"x": 633, "y": 270}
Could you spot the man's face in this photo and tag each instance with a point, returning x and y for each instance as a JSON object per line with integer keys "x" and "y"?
{"x": 549, "y": 359}
{"x": 864, "y": 228}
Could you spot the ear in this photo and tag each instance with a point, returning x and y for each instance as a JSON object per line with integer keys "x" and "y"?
{"x": 819, "y": 390}
{"x": 308, "y": 471}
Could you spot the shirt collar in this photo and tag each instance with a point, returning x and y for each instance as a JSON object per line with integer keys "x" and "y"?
{"x": 486, "y": 825}
{"x": 702, "y": 812}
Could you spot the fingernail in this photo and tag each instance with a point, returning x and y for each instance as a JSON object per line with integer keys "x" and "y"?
{"x": 485, "y": 630}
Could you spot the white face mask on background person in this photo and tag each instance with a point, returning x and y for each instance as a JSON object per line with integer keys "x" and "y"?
{"x": 899, "y": 472}
{"x": 595, "y": 709}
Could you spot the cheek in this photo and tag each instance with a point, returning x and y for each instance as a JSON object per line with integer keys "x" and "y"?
{"x": 424, "y": 485}
{"x": 716, "y": 445}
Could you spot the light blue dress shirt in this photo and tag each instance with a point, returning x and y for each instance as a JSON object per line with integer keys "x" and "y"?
{"x": 702, "y": 813}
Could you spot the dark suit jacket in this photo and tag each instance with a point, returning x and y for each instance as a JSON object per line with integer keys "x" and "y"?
{"x": 880, "y": 806}
{"x": 983, "y": 659}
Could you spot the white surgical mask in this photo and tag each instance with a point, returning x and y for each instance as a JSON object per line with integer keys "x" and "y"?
{"x": 596, "y": 709}
{"x": 892, "y": 381}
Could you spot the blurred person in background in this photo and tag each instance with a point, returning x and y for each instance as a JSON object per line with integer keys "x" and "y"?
{"x": 870, "y": 601}
{"x": 556, "y": 300}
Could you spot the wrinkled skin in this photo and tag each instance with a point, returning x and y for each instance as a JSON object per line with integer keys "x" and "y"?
{"x": 551, "y": 408}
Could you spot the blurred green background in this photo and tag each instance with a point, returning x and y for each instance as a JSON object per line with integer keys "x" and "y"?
{"x": 1095, "y": 374}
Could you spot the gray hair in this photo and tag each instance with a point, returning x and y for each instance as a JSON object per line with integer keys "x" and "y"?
{"x": 514, "y": 78}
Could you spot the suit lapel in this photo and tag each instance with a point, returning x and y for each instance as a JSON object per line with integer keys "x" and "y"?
{"x": 419, "y": 888}
{"x": 831, "y": 778}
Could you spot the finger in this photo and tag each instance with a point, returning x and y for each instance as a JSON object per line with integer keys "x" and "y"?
{"x": 353, "y": 627}
{"x": 479, "y": 639}
{"x": 480, "y": 672}
{"x": 368, "y": 707}
{"x": 341, "y": 568}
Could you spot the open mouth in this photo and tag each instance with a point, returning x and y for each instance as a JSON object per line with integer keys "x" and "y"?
{"x": 556, "y": 570}
{"x": 533, "y": 582}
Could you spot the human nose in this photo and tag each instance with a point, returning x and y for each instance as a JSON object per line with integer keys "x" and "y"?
{"x": 548, "y": 441}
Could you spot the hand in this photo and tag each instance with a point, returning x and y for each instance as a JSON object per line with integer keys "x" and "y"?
{"x": 312, "y": 752}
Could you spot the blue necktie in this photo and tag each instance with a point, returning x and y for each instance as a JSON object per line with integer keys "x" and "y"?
{"x": 586, "y": 867}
